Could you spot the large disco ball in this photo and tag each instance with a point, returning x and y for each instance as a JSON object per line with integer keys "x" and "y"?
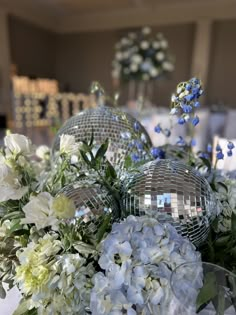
{"x": 125, "y": 133}
{"x": 172, "y": 192}
{"x": 91, "y": 201}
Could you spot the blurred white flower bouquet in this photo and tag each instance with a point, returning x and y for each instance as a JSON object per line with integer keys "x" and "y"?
{"x": 142, "y": 56}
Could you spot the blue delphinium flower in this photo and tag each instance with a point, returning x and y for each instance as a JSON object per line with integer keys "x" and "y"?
{"x": 230, "y": 145}
{"x": 137, "y": 126}
{"x": 218, "y": 148}
{"x": 203, "y": 155}
{"x": 197, "y": 104}
{"x": 167, "y": 132}
{"x": 180, "y": 141}
{"x": 195, "y": 120}
{"x": 209, "y": 148}
{"x": 157, "y": 129}
{"x": 135, "y": 158}
{"x": 193, "y": 142}
{"x": 230, "y": 153}
{"x": 187, "y": 108}
{"x": 181, "y": 121}
{"x": 139, "y": 145}
{"x": 220, "y": 155}
{"x": 157, "y": 153}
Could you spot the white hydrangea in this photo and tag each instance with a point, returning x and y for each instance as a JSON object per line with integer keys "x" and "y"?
{"x": 18, "y": 144}
{"x": 10, "y": 187}
{"x": 138, "y": 258}
{"x": 168, "y": 66}
{"x": 160, "y": 56}
{"x": 146, "y": 30}
{"x": 144, "y": 44}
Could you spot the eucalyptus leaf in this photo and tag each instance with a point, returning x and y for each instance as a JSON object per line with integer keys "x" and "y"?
{"x": 85, "y": 158}
{"x": 222, "y": 241}
{"x": 207, "y": 163}
{"x": 208, "y": 291}
{"x": 22, "y": 308}
{"x": 103, "y": 228}
{"x": 84, "y": 248}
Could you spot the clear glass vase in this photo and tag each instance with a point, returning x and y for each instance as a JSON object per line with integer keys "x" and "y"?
{"x": 141, "y": 93}
{"x": 204, "y": 289}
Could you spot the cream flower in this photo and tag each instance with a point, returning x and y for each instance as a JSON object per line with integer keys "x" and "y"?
{"x": 67, "y": 144}
{"x": 10, "y": 187}
{"x": 16, "y": 144}
{"x": 43, "y": 152}
{"x": 39, "y": 211}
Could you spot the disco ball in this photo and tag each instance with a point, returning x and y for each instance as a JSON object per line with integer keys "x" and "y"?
{"x": 92, "y": 203}
{"x": 125, "y": 133}
{"x": 172, "y": 192}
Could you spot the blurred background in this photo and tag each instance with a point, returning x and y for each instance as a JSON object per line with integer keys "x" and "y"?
{"x": 67, "y": 44}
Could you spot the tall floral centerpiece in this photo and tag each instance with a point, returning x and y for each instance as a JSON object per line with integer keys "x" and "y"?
{"x": 140, "y": 59}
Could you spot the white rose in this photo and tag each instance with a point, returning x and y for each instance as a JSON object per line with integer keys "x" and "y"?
{"x": 134, "y": 67}
{"x": 154, "y": 72}
{"x": 39, "y": 211}
{"x": 10, "y": 188}
{"x": 119, "y": 55}
{"x": 67, "y": 144}
{"x": 42, "y": 152}
{"x": 137, "y": 58}
{"x": 164, "y": 44}
{"x": 168, "y": 66}
{"x": 124, "y": 41}
{"x": 144, "y": 44}
{"x": 146, "y": 30}
{"x": 160, "y": 56}
{"x": 156, "y": 45}
{"x": 16, "y": 144}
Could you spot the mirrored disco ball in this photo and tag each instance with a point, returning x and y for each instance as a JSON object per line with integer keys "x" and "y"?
{"x": 125, "y": 133}
{"x": 172, "y": 192}
{"x": 92, "y": 203}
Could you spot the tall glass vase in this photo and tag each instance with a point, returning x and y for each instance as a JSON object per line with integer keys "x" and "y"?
{"x": 141, "y": 92}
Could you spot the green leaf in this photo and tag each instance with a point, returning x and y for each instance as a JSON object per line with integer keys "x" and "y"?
{"x": 92, "y": 139}
{"x": 22, "y": 307}
{"x": 208, "y": 291}
{"x": 103, "y": 228}
{"x": 128, "y": 162}
{"x": 233, "y": 224}
{"x": 85, "y": 158}
{"x": 14, "y": 215}
{"x": 222, "y": 241}
{"x": 207, "y": 163}
{"x": 84, "y": 248}
{"x": 102, "y": 150}
{"x": 110, "y": 171}
{"x": 2, "y": 291}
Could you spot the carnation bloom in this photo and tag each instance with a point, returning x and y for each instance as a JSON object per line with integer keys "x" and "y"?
{"x": 67, "y": 144}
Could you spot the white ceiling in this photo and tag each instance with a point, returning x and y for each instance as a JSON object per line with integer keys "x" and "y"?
{"x": 81, "y": 15}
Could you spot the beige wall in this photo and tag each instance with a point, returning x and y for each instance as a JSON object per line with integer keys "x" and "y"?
{"x": 222, "y": 71}
{"x": 32, "y": 48}
{"x": 82, "y": 58}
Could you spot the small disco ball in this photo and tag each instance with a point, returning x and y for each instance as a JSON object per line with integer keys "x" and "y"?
{"x": 123, "y": 131}
{"x": 172, "y": 192}
{"x": 92, "y": 203}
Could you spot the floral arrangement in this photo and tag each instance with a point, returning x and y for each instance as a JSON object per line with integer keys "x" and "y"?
{"x": 142, "y": 56}
{"x": 124, "y": 267}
